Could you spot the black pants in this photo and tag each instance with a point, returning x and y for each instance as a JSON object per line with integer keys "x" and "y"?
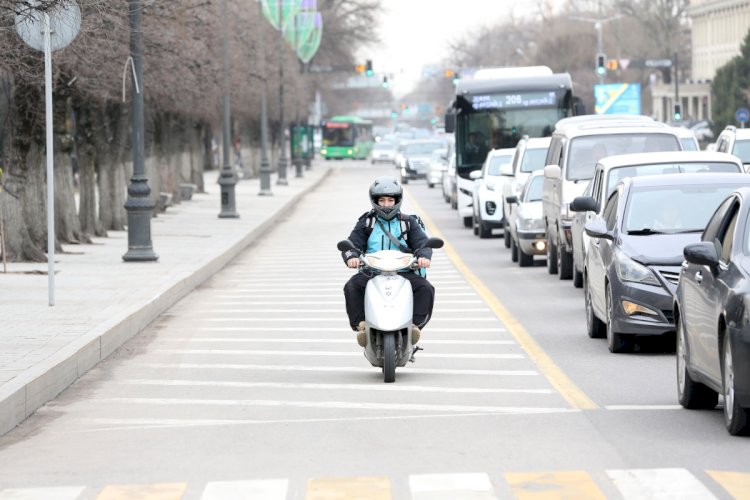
{"x": 424, "y": 298}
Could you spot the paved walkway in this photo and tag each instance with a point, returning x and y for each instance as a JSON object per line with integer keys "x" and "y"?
{"x": 101, "y": 301}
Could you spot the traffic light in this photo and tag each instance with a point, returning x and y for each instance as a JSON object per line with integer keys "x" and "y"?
{"x": 359, "y": 68}
{"x": 368, "y": 67}
{"x": 612, "y": 64}
{"x": 385, "y": 82}
{"x": 449, "y": 73}
{"x": 677, "y": 112}
{"x": 601, "y": 61}
{"x": 456, "y": 77}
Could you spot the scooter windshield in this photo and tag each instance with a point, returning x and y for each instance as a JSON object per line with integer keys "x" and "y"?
{"x": 389, "y": 260}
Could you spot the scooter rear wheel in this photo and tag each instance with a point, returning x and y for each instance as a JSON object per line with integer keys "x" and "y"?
{"x": 389, "y": 357}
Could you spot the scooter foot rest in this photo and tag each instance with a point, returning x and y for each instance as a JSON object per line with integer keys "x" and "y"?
{"x": 416, "y": 348}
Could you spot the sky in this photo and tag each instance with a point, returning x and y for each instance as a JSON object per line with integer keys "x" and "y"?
{"x": 419, "y": 32}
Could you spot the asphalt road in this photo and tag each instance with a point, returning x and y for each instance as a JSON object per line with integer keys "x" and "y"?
{"x": 254, "y": 384}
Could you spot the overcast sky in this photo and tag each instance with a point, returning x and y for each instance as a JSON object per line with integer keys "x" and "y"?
{"x": 418, "y": 32}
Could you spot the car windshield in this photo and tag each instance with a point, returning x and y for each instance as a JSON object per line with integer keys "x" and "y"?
{"x": 672, "y": 209}
{"x": 534, "y": 189}
{"x": 741, "y": 150}
{"x": 688, "y": 144}
{"x": 533, "y": 159}
{"x": 496, "y": 162}
{"x": 620, "y": 173}
{"x": 586, "y": 151}
{"x": 422, "y": 148}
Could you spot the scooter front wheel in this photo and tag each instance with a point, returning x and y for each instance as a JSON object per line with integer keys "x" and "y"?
{"x": 389, "y": 357}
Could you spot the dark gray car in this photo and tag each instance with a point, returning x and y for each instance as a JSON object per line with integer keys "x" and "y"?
{"x": 633, "y": 264}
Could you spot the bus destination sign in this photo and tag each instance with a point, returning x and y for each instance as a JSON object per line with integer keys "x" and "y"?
{"x": 513, "y": 100}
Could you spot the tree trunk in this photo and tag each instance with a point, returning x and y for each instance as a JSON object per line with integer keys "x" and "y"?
{"x": 112, "y": 176}
{"x": 67, "y": 223}
{"x": 19, "y": 245}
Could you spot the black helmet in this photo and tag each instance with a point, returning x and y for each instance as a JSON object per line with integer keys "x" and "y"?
{"x": 386, "y": 186}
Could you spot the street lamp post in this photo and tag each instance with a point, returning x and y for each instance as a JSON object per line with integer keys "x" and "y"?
{"x": 265, "y": 166}
{"x": 227, "y": 179}
{"x": 139, "y": 205}
{"x": 598, "y": 25}
{"x": 282, "y": 163}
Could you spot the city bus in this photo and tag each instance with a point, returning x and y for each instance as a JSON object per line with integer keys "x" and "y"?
{"x": 498, "y": 107}
{"x": 346, "y": 137}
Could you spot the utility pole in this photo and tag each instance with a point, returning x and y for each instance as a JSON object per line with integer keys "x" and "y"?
{"x": 265, "y": 166}
{"x": 227, "y": 179}
{"x": 282, "y": 163}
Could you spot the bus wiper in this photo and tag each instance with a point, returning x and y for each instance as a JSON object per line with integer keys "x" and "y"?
{"x": 645, "y": 231}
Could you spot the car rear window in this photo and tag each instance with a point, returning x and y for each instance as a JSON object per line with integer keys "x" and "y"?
{"x": 496, "y": 162}
{"x": 618, "y": 174}
{"x": 585, "y": 151}
{"x": 533, "y": 159}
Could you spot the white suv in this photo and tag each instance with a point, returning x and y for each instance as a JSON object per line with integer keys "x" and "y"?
{"x": 489, "y": 184}
{"x": 735, "y": 141}
{"x": 576, "y": 146}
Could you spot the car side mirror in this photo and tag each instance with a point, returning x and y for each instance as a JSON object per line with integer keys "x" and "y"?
{"x": 511, "y": 199}
{"x": 703, "y": 253}
{"x": 475, "y": 174}
{"x": 450, "y": 123}
{"x": 598, "y": 229}
{"x": 506, "y": 169}
{"x": 584, "y": 204}
{"x": 552, "y": 172}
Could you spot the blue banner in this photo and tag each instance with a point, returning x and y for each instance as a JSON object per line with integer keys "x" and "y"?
{"x": 618, "y": 98}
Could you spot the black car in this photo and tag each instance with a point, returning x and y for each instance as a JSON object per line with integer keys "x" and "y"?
{"x": 712, "y": 313}
{"x": 632, "y": 266}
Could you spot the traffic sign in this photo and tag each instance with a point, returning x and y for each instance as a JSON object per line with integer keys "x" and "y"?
{"x": 742, "y": 115}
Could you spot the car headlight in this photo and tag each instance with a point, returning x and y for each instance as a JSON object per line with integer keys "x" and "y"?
{"x": 630, "y": 270}
{"x": 530, "y": 224}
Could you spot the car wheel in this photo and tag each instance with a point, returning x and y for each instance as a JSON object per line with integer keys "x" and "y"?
{"x": 506, "y": 234}
{"x": 551, "y": 257}
{"x": 690, "y": 394}
{"x": 564, "y": 261}
{"x": 430, "y": 185}
{"x": 484, "y": 230}
{"x": 595, "y": 328}
{"x": 735, "y": 416}
{"x": 468, "y": 221}
{"x": 577, "y": 277}
{"x": 524, "y": 259}
{"x": 475, "y": 225}
{"x": 617, "y": 342}
{"x": 513, "y": 251}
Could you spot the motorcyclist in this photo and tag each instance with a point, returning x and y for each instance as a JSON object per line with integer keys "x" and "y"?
{"x": 370, "y": 235}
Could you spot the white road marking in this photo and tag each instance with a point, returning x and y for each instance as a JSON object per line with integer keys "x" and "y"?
{"x": 269, "y": 489}
{"x": 348, "y": 387}
{"x": 61, "y": 493}
{"x": 315, "y": 289}
{"x": 265, "y": 352}
{"x": 331, "y": 405}
{"x": 442, "y": 486}
{"x": 319, "y": 294}
{"x": 662, "y": 484}
{"x": 348, "y": 369}
{"x": 338, "y": 319}
{"x": 642, "y": 407}
{"x": 336, "y": 330}
{"x": 296, "y": 310}
{"x": 311, "y": 302}
{"x": 307, "y": 340}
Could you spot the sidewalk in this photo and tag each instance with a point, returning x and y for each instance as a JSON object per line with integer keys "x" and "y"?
{"x": 101, "y": 301}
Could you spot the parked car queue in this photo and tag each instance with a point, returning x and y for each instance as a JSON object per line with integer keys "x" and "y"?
{"x": 657, "y": 254}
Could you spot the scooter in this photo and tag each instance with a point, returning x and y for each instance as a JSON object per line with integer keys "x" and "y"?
{"x": 389, "y": 303}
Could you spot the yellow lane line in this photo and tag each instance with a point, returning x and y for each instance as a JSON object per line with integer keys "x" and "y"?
{"x": 559, "y": 380}
{"x": 164, "y": 491}
{"x": 737, "y": 484}
{"x": 361, "y": 488}
{"x": 554, "y": 485}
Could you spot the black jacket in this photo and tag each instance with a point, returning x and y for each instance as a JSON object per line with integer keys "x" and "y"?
{"x": 415, "y": 237}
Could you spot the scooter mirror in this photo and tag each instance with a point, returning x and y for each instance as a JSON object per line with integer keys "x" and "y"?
{"x": 344, "y": 245}
{"x": 434, "y": 243}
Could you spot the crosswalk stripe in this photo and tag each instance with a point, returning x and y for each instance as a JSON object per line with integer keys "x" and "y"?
{"x": 553, "y": 485}
{"x": 664, "y": 484}
{"x": 307, "y": 340}
{"x": 239, "y": 293}
{"x": 736, "y": 484}
{"x": 336, "y": 330}
{"x": 349, "y": 387}
{"x": 61, "y": 493}
{"x": 361, "y": 488}
{"x": 313, "y": 302}
{"x": 265, "y": 352}
{"x": 336, "y": 405}
{"x": 465, "y": 486}
{"x": 270, "y": 489}
{"x": 334, "y": 320}
{"x": 250, "y": 307}
{"x": 163, "y": 491}
{"x": 357, "y": 369}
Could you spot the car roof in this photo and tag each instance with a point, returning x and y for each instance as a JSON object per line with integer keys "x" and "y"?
{"x": 713, "y": 178}
{"x": 684, "y": 132}
{"x": 575, "y": 120}
{"x": 536, "y": 173}
{"x": 538, "y": 142}
{"x": 739, "y": 133}
{"x": 633, "y": 159}
{"x": 501, "y": 152}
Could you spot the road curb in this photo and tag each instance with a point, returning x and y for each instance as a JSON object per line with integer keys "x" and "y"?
{"x": 24, "y": 394}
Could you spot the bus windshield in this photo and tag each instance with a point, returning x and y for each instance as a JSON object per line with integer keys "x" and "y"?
{"x": 335, "y": 134}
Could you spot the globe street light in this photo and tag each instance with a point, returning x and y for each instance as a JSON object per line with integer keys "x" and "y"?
{"x": 227, "y": 180}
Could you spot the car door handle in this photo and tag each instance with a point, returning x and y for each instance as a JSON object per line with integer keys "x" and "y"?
{"x": 698, "y": 277}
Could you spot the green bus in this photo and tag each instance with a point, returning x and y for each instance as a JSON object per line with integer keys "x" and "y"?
{"x": 346, "y": 137}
